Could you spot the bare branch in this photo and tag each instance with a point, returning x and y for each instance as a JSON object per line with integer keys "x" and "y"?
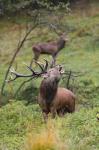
{"x": 20, "y": 44}
{"x": 74, "y": 73}
{"x": 69, "y": 79}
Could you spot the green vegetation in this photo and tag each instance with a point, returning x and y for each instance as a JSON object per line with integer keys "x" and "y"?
{"x": 14, "y": 7}
{"x": 21, "y": 125}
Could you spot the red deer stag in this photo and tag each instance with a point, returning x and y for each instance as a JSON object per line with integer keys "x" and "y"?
{"x": 52, "y": 99}
{"x": 51, "y": 48}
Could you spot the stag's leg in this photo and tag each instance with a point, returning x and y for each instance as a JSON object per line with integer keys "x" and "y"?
{"x": 36, "y": 57}
{"x": 53, "y": 61}
{"x": 53, "y": 112}
{"x": 61, "y": 112}
{"x": 31, "y": 62}
{"x": 45, "y": 115}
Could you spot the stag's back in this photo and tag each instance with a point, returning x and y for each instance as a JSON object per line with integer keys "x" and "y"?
{"x": 52, "y": 47}
{"x": 64, "y": 97}
{"x": 47, "y": 48}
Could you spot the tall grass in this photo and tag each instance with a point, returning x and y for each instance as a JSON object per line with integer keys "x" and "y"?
{"x": 47, "y": 139}
{"x": 22, "y": 127}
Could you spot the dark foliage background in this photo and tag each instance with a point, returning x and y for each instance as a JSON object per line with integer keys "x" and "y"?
{"x": 15, "y": 6}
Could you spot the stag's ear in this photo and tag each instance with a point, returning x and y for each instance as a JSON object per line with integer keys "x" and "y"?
{"x": 61, "y": 70}
{"x": 66, "y": 39}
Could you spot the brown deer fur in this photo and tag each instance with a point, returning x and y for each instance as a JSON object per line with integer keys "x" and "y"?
{"x": 53, "y": 99}
{"x": 50, "y": 48}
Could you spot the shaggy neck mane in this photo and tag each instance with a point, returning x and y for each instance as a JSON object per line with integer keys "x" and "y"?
{"x": 61, "y": 44}
{"x": 48, "y": 90}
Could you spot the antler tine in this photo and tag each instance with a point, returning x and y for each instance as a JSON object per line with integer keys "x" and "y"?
{"x": 46, "y": 65}
{"x": 15, "y": 73}
{"x": 54, "y": 28}
{"x": 22, "y": 75}
{"x": 33, "y": 72}
{"x": 18, "y": 75}
{"x": 12, "y": 79}
{"x": 43, "y": 67}
{"x": 40, "y": 65}
{"x": 8, "y": 81}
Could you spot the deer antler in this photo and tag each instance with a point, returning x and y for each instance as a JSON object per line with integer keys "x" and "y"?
{"x": 43, "y": 68}
{"x": 55, "y": 29}
{"x": 33, "y": 73}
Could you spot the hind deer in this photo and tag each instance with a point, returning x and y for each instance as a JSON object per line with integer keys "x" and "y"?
{"x": 51, "y": 48}
{"x": 52, "y": 99}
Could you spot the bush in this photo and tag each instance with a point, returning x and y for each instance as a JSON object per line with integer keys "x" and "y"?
{"x": 14, "y": 6}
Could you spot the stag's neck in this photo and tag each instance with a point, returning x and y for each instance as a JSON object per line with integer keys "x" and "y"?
{"x": 61, "y": 44}
{"x": 48, "y": 90}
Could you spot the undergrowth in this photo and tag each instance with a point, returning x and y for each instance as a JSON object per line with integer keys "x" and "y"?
{"x": 21, "y": 124}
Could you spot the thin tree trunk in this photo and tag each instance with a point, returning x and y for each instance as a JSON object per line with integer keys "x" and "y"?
{"x": 14, "y": 56}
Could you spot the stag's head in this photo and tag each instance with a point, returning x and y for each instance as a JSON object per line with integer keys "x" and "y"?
{"x": 54, "y": 74}
{"x": 60, "y": 33}
{"x": 64, "y": 37}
